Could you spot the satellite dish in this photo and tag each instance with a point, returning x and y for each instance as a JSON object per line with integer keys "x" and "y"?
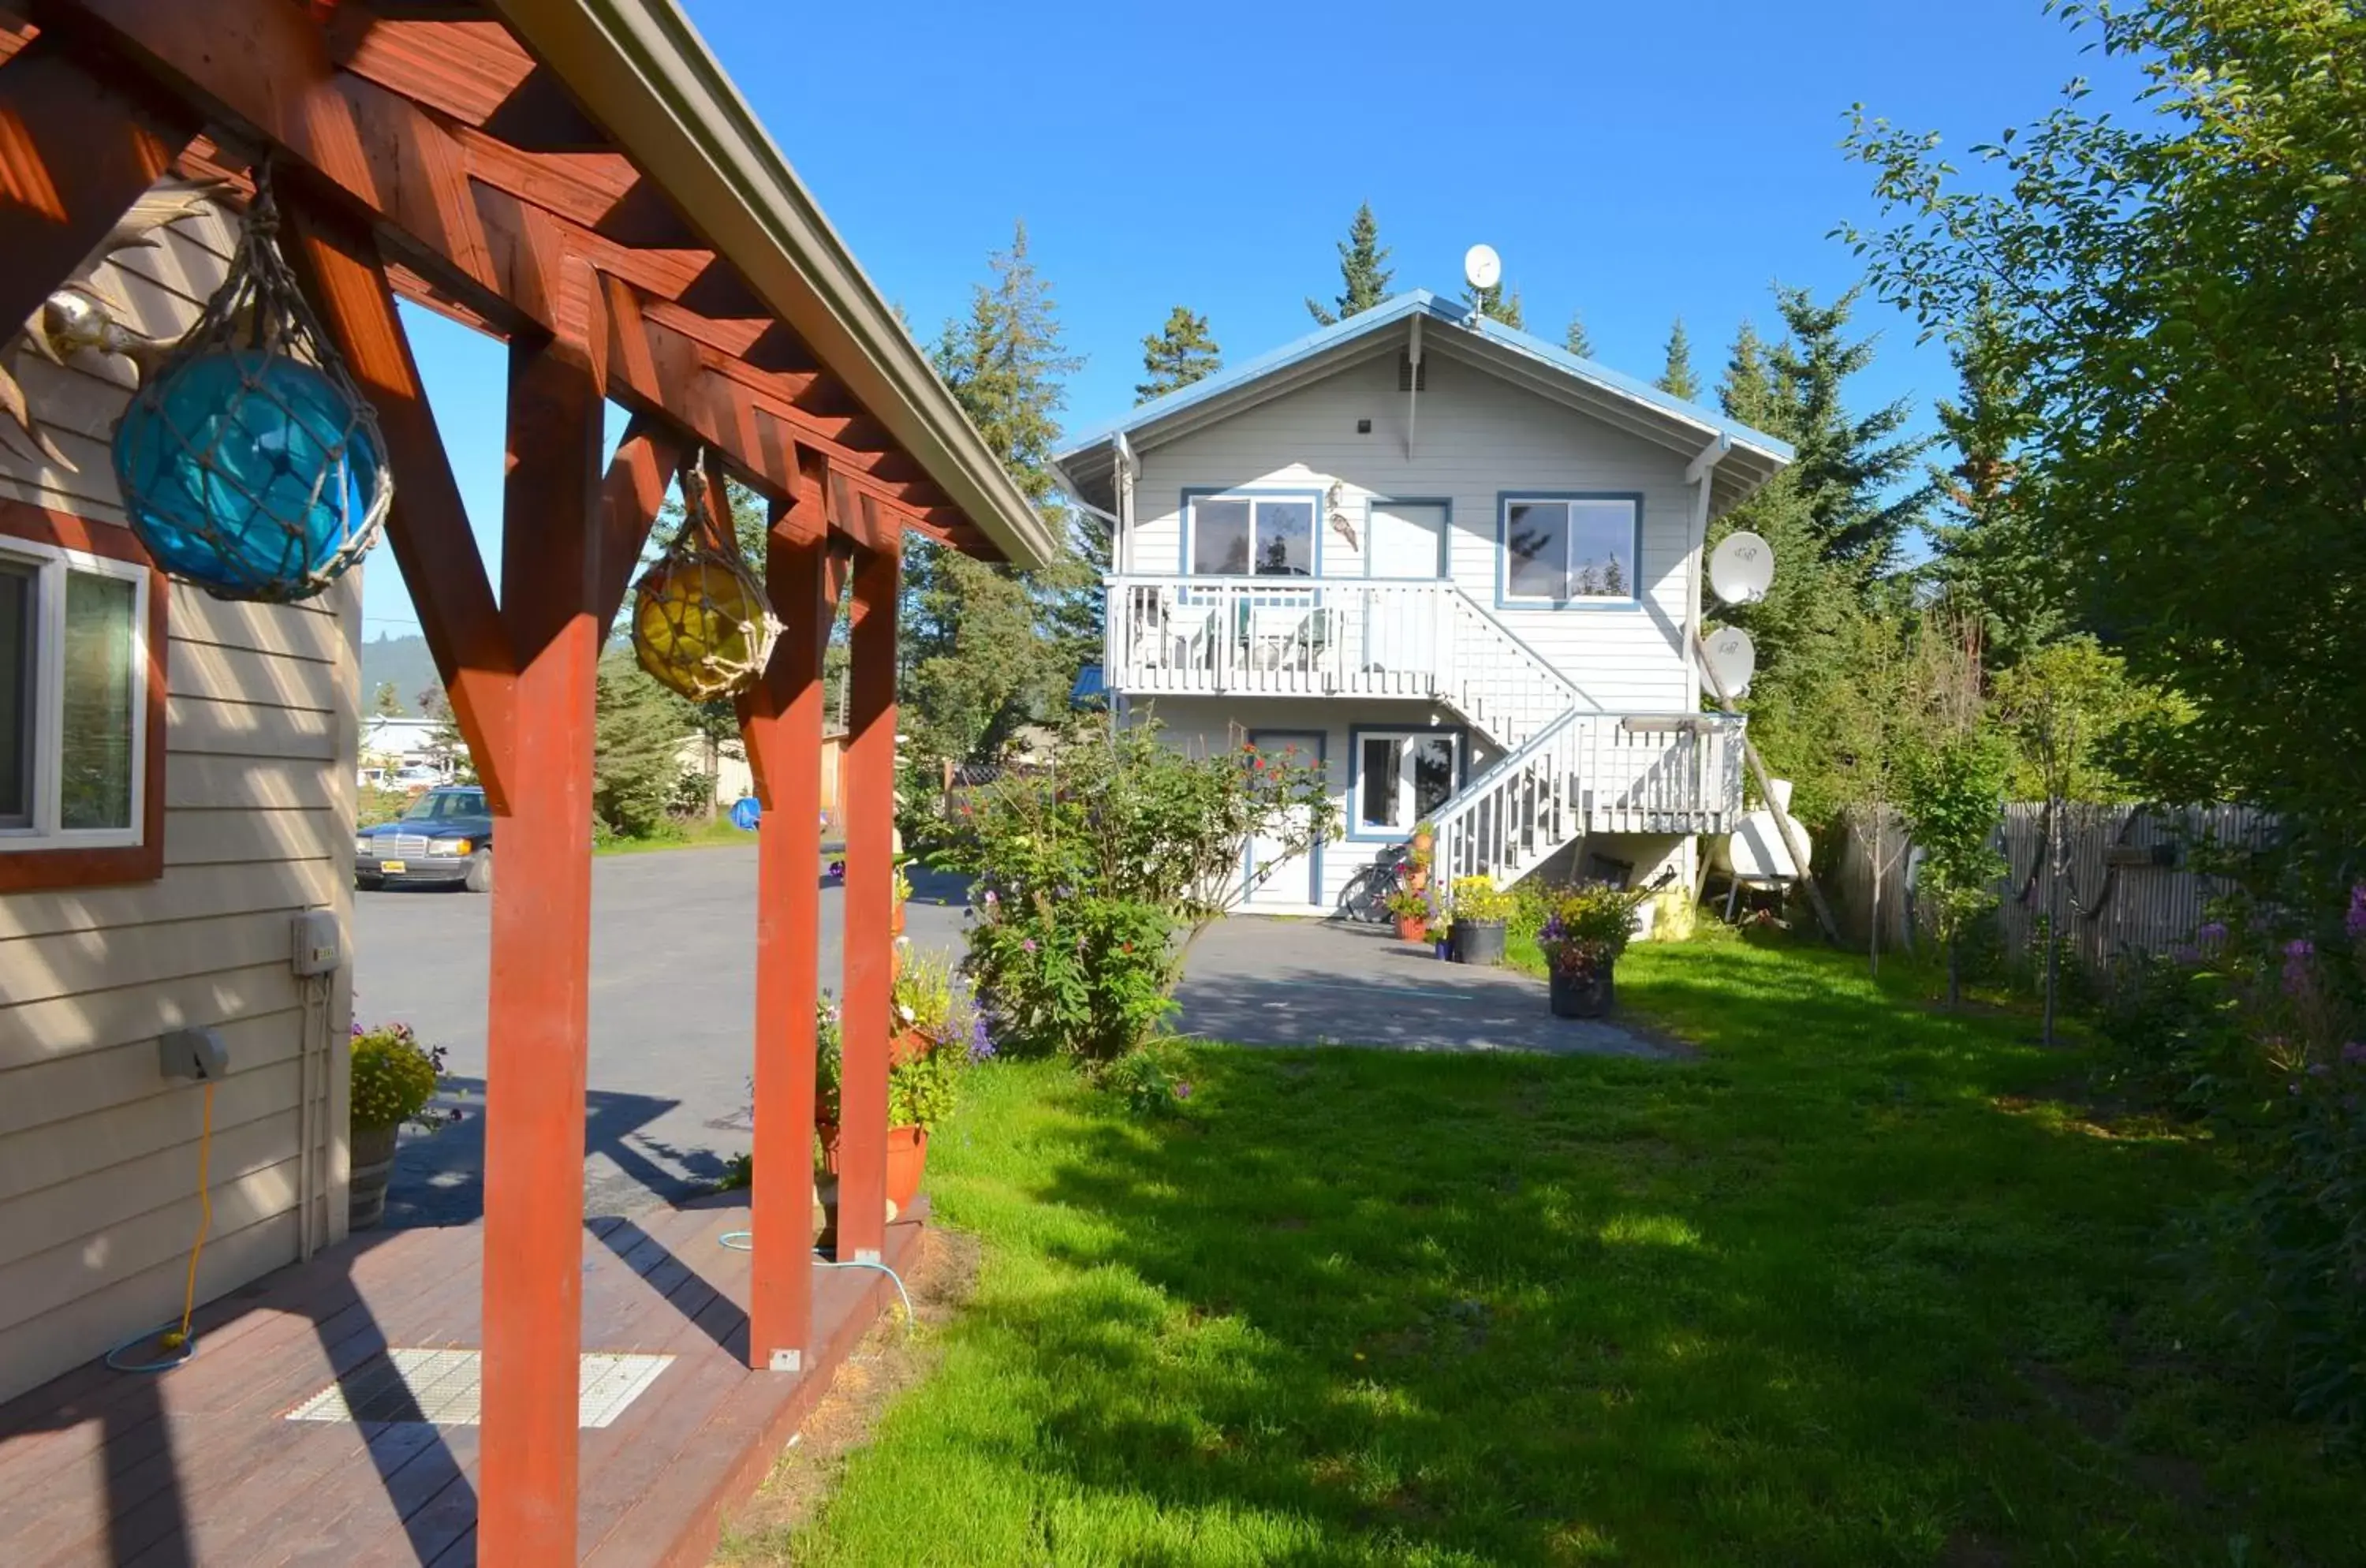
{"x": 1732, "y": 659}
{"x": 1481, "y": 268}
{"x": 1741, "y": 568}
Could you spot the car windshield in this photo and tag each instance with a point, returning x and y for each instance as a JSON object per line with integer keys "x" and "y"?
{"x": 442, "y": 805}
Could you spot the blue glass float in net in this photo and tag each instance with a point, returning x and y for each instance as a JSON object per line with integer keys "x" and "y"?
{"x": 251, "y": 474}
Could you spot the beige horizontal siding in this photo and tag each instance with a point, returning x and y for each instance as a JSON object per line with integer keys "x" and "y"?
{"x": 98, "y": 1151}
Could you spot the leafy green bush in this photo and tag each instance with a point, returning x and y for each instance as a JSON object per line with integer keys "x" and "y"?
{"x": 393, "y": 1074}
{"x": 378, "y": 804}
{"x": 2259, "y": 1033}
{"x": 1089, "y": 870}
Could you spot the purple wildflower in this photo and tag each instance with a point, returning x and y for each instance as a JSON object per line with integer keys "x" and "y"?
{"x": 2299, "y": 947}
{"x": 2318, "y": 1069}
{"x": 981, "y": 1042}
{"x": 1028, "y": 945}
{"x": 1182, "y": 1090}
{"x": 2355, "y": 1053}
{"x": 2355, "y": 921}
{"x": 2213, "y": 931}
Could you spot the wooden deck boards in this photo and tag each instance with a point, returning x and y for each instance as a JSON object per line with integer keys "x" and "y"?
{"x": 200, "y": 1466}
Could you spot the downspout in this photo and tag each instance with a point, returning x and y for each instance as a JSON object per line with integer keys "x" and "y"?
{"x": 1702, "y": 473}
{"x": 1413, "y": 384}
{"x": 1129, "y": 468}
{"x": 1699, "y": 473}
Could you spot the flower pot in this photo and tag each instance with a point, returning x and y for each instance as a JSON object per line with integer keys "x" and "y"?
{"x": 1581, "y": 993}
{"x": 1412, "y": 928}
{"x": 1478, "y": 941}
{"x": 908, "y": 1160}
{"x": 909, "y": 1045}
{"x": 373, "y": 1164}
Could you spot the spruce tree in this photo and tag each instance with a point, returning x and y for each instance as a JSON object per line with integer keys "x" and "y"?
{"x": 637, "y": 729}
{"x": 1363, "y": 274}
{"x": 1575, "y": 339}
{"x": 1847, "y": 466}
{"x": 1177, "y": 355}
{"x": 986, "y": 647}
{"x": 1747, "y": 392}
{"x": 1988, "y": 552}
{"x": 1676, "y": 379}
{"x": 386, "y": 702}
{"x": 1497, "y": 302}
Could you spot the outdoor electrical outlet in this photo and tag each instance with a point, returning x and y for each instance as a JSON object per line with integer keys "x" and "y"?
{"x": 195, "y": 1053}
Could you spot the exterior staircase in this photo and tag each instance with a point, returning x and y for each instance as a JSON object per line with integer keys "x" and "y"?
{"x": 1569, "y": 767}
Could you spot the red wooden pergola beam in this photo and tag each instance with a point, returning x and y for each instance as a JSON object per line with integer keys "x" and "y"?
{"x": 77, "y": 149}
{"x": 870, "y": 776}
{"x": 428, "y": 527}
{"x": 261, "y": 64}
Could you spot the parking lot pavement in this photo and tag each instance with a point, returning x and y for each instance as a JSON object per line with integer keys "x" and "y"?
{"x": 1285, "y": 982}
{"x": 673, "y": 947}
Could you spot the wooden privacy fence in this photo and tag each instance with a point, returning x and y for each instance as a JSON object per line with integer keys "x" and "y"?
{"x": 2129, "y": 880}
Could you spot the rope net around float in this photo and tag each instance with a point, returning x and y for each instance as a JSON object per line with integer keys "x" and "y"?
{"x": 249, "y": 463}
{"x": 702, "y": 625}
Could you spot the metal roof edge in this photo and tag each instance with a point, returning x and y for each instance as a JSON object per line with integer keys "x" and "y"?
{"x": 649, "y": 79}
{"x": 1403, "y": 307}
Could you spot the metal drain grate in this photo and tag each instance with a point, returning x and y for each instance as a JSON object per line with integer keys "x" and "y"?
{"x": 443, "y": 1388}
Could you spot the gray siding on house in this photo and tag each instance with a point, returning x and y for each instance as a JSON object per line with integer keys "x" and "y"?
{"x": 1475, "y": 437}
{"x": 99, "y": 1152}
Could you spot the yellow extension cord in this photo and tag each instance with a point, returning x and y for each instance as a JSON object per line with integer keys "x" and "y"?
{"x": 173, "y": 1338}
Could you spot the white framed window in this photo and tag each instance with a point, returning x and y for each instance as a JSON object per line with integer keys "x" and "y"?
{"x": 1251, "y": 535}
{"x": 1559, "y": 549}
{"x": 1401, "y": 777}
{"x": 73, "y": 698}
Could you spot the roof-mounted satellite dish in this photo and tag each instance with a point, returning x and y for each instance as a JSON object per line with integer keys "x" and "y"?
{"x": 1741, "y": 568}
{"x": 1732, "y": 659}
{"x": 1481, "y": 268}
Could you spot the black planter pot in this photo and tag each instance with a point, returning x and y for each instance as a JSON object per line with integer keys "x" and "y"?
{"x": 1586, "y": 994}
{"x": 1478, "y": 941}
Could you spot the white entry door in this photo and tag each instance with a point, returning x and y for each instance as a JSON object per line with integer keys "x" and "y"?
{"x": 1408, "y": 539}
{"x": 1277, "y": 879}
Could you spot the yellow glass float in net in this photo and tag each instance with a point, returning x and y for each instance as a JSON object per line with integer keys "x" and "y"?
{"x": 701, "y": 623}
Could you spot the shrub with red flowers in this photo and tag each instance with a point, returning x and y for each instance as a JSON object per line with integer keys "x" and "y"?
{"x": 1093, "y": 873}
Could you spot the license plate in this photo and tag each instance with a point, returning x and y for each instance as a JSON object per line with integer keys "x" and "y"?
{"x": 391, "y": 867}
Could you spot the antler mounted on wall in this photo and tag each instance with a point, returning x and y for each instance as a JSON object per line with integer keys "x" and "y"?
{"x": 86, "y": 316}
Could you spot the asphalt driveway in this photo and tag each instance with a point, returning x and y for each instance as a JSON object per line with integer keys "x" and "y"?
{"x": 673, "y": 999}
{"x": 1279, "y": 982}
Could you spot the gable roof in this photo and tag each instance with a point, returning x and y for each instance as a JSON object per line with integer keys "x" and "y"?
{"x": 1638, "y": 407}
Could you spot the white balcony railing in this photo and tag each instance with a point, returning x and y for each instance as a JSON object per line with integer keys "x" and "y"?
{"x": 1569, "y": 767}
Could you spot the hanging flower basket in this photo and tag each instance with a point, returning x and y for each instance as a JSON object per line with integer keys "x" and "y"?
{"x": 701, "y": 626}
{"x": 250, "y": 464}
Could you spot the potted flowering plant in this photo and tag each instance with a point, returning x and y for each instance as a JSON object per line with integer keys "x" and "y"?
{"x": 1585, "y": 929}
{"x": 937, "y": 1036}
{"x": 1412, "y": 911}
{"x": 1419, "y": 855}
{"x": 1481, "y": 913}
{"x": 394, "y": 1077}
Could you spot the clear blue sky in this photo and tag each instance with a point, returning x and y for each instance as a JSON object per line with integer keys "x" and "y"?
{"x": 1634, "y": 162}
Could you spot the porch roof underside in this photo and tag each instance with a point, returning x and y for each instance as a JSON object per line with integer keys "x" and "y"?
{"x": 1752, "y": 458}
{"x": 495, "y": 146}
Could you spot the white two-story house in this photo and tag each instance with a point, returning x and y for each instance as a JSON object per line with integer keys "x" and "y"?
{"x": 1459, "y": 567}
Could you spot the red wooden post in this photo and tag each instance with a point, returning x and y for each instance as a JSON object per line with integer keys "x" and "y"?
{"x": 870, "y": 813}
{"x": 541, "y": 956}
{"x": 782, "y": 726}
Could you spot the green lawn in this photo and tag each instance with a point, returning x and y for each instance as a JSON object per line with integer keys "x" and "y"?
{"x": 1848, "y": 1288}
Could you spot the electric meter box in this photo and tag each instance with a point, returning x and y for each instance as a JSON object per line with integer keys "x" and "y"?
{"x": 320, "y": 944}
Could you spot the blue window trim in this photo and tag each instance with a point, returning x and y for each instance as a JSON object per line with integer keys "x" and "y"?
{"x": 1314, "y": 853}
{"x": 1194, "y": 494}
{"x": 1503, "y": 500}
{"x": 1459, "y": 734}
{"x": 1445, "y": 540}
